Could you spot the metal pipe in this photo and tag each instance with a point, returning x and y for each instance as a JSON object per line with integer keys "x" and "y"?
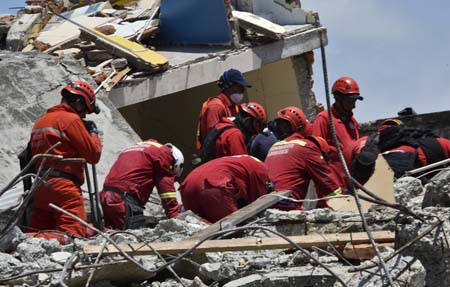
{"x": 427, "y": 167}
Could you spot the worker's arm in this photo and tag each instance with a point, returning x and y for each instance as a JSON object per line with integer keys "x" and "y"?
{"x": 166, "y": 190}
{"x": 87, "y": 144}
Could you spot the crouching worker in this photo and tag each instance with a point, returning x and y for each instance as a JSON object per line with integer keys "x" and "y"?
{"x": 222, "y": 186}
{"x": 79, "y": 139}
{"x": 299, "y": 158}
{"x": 132, "y": 178}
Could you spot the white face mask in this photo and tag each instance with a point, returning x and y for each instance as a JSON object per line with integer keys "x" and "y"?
{"x": 236, "y": 97}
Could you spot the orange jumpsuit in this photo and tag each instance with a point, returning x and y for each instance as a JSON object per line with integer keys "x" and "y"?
{"x": 62, "y": 124}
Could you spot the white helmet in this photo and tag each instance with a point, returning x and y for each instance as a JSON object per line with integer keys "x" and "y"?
{"x": 178, "y": 159}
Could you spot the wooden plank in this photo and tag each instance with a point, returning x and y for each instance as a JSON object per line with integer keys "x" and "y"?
{"x": 243, "y": 244}
{"x": 242, "y": 214}
{"x": 381, "y": 182}
{"x": 363, "y": 251}
{"x": 117, "y": 78}
{"x": 137, "y": 55}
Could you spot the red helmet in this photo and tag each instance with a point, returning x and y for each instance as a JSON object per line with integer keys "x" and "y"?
{"x": 255, "y": 110}
{"x": 294, "y": 116}
{"x": 84, "y": 90}
{"x": 346, "y": 86}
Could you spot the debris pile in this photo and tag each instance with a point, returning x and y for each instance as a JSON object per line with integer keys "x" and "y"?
{"x": 317, "y": 247}
{"x": 118, "y": 41}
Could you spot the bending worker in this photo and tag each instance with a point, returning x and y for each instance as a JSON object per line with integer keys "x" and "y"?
{"x": 79, "y": 139}
{"x": 298, "y": 158}
{"x": 222, "y": 186}
{"x": 132, "y": 178}
{"x": 232, "y": 136}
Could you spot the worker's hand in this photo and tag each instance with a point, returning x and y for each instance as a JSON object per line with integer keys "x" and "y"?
{"x": 90, "y": 126}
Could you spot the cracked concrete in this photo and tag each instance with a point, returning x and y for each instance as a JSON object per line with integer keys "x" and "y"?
{"x": 30, "y": 84}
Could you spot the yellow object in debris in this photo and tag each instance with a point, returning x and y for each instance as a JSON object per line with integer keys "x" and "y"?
{"x": 121, "y": 2}
{"x": 137, "y": 55}
{"x": 139, "y": 50}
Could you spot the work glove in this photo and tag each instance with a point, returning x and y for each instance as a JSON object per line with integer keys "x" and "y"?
{"x": 90, "y": 126}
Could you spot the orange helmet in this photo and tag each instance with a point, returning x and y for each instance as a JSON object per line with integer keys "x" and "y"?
{"x": 83, "y": 89}
{"x": 388, "y": 123}
{"x": 346, "y": 86}
{"x": 255, "y": 110}
{"x": 294, "y": 116}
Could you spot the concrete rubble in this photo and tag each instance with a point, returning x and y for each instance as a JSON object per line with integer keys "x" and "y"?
{"x": 114, "y": 28}
{"x": 425, "y": 263}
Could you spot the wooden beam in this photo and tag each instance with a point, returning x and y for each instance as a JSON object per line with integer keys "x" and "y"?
{"x": 242, "y": 214}
{"x": 117, "y": 78}
{"x": 243, "y": 244}
{"x": 363, "y": 251}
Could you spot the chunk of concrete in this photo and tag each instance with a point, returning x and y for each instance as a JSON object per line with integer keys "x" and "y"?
{"x": 437, "y": 191}
{"x": 20, "y": 30}
{"x": 406, "y": 188}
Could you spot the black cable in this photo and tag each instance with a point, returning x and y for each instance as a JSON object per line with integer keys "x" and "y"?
{"x": 342, "y": 160}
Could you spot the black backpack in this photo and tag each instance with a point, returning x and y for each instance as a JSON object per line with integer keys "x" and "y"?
{"x": 396, "y": 136}
{"x": 209, "y": 143}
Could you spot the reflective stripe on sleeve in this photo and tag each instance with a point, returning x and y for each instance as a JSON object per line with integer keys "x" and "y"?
{"x": 337, "y": 191}
{"x": 49, "y": 129}
{"x": 168, "y": 195}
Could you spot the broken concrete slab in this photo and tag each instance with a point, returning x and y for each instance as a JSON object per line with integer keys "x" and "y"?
{"x": 30, "y": 84}
{"x": 143, "y": 10}
{"x": 433, "y": 250}
{"x": 84, "y": 11}
{"x": 20, "y": 30}
{"x": 282, "y": 12}
{"x": 406, "y": 188}
{"x": 67, "y": 31}
{"x": 407, "y": 270}
{"x": 260, "y": 25}
{"x": 437, "y": 191}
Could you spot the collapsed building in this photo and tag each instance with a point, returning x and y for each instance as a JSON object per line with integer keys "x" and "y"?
{"x": 272, "y": 42}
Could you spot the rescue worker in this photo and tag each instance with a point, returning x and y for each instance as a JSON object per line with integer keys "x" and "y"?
{"x": 224, "y": 185}
{"x": 346, "y": 92}
{"x": 231, "y": 136}
{"x": 79, "y": 139}
{"x": 226, "y": 104}
{"x": 363, "y": 153}
{"x": 299, "y": 158}
{"x": 129, "y": 183}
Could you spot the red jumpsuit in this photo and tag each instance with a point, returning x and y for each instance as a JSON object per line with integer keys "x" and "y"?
{"x": 293, "y": 162}
{"x": 231, "y": 141}
{"x": 352, "y": 149}
{"x": 222, "y": 186}
{"x": 347, "y": 131}
{"x": 62, "y": 123}
{"x": 137, "y": 171}
{"x": 217, "y": 108}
